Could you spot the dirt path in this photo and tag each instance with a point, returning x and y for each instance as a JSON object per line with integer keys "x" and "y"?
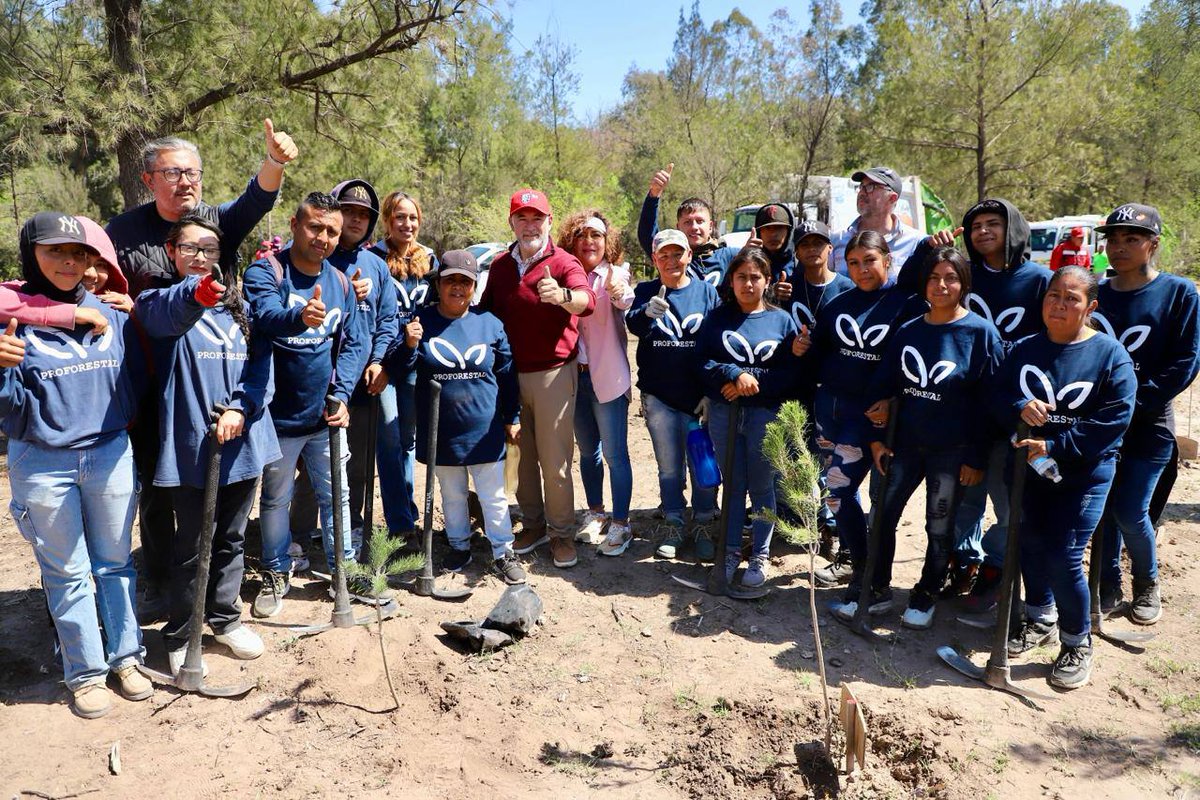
{"x": 635, "y": 687}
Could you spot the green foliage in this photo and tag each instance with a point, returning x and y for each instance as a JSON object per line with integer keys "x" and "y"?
{"x": 784, "y": 445}
{"x": 382, "y": 562}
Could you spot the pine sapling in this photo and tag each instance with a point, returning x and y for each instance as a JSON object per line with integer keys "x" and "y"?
{"x": 784, "y": 445}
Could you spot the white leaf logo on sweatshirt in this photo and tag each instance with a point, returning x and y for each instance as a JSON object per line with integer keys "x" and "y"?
{"x": 713, "y": 277}
{"x": 852, "y": 335}
{"x": 922, "y": 376}
{"x": 802, "y": 316}
{"x": 44, "y": 339}
{"x": 332, "y": 316}
{"x": 446, "y": 354}
{"x": 1132, "y": 337}
{"x": 1006, "y": 321}
{"x": 210, "y": 328}
{"x": 1081, "y": 389}
{"x": 419, "y": 293}
{"x": 671, "y": 325}
{"x": 742, "y": 351}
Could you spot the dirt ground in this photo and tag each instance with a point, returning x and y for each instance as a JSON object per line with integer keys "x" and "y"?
{"x": 635, "y": 687}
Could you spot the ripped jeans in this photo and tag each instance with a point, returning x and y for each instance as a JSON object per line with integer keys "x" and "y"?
{"x": 844, "y": 439}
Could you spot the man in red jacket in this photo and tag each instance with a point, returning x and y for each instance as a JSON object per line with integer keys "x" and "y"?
{"x": 537, "y": 291}
{"x": 1071, "y": 250}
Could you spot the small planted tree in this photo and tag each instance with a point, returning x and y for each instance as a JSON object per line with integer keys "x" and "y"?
{"x": 797, "y": 487}
{"x": 380, "y": 566}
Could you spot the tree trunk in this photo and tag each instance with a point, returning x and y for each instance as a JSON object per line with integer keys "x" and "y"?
{"x": 123, "y": 26}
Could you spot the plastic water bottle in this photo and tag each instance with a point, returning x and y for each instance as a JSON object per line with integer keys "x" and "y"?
{"x": 703, "y": 457}
{"x": 1047, "y": 467}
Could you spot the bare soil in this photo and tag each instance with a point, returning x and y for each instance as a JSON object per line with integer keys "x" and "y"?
{"x": 635, "y": 687}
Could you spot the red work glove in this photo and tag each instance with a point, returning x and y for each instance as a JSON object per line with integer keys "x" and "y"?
{"x": 209, "y": 291}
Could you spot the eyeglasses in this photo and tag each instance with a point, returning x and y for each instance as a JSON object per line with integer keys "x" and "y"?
{"x": 192, "y": 250}
{"x": 866, "y": 187}
{"x": 173, "y": 174}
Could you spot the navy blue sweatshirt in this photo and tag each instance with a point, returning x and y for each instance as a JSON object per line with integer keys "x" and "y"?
{"x": 709, "y": 261}
{"x": 732, "y": 342}
{"x": 74, "y": 389}
{"x": 1090, "y": 387}
{"x": 471, "y": 358}
{"x": 377, "y": 310}
{"x": 1157, "y": 324}
{"x": 667, "y": 364}
{"x": 941, "y": 375}
{"x": 309, "y": 362}
{"x": 852, "y": 333}
{"x": 207, "y": 362}
{"x": 411, "y": 293}
{"x": 808, "y": 299}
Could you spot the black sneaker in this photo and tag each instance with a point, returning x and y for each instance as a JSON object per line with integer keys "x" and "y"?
{"x": 1111, "y": 598}
{"x": 456, "y": 560}
{"x": 509, "y": 568}
{"x": 1146, "y": 608}
{"x": 269, "y": 601}
{"x": 837, "y": 571}
{"x": 1073, "y": 667}
{"x": 1031, "y": 635}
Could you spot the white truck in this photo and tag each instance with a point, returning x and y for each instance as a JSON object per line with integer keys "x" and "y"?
{"x": 1044, "y": 235}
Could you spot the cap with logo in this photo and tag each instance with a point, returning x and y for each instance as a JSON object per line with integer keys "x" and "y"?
{"x": 812, "y": 227}
{"x": 1133, "y": 215}
{"x": 772, "y": 214}
{"x": 53, "y": 227}
{"x": 459, "y": 262}
{"x": 885, "y": 176}
{"x": 528, "y": 198}
{"x": 354, "y": 193}
{"x": 669, "y": 236}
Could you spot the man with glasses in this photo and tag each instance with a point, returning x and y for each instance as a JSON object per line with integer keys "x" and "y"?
{"x": 878, "y": 190}
{"x": 174, "y": 175}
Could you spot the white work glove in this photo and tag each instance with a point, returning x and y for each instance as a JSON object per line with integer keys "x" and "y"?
{"x": 658, "y": 306}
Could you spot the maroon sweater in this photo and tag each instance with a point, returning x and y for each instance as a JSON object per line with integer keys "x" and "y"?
{"x": 542, "y": 335}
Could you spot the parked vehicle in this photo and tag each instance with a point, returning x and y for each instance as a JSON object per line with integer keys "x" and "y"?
{"x": 1046, "y": 234}
{"x": 485, "y": 253}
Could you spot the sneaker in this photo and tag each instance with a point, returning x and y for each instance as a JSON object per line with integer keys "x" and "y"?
{"x": 1111, "y": 598}
{"x": 175, "y": 659}
{"x": 562, "y": 550}
{"x": 837, "y": 571}
{"x": 982, "y": 598}
{"x": 91, "y": 700}
{"x": 360, "y": 589}
{"x": 919, "y": 614}
{"x": 299, "y": 557}
{"x": 755, "y": 574}
{"x": 153, "y": 605}
{"x": 456, "y": 560}
{"x": 672, "y": 540}
{"x": 733, "y": 560}
{"x": 961, "y": 578}
{"x": 529, "y": 539}
{"x": 618, "y": 539}
{"x": 706, "y": 551}
{"x": 132, "y": 684}
{"x": 592, "y": 529}
{"x": 242, "y": 642}
{"x": 1073, "y": 667}
{"x": 881, "y": 603}
{"x": 269, "y": 601}
{"x": 1146, "y": 608}
{"x": 509, "y": 568}
{"x": 1032, "y": 634}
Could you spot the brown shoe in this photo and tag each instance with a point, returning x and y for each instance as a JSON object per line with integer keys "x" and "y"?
{"x": 91, "y": 700}
{"x": 562, "y": 550}
{"x": 132, "y": 684}
{"x": 529, "y": 539}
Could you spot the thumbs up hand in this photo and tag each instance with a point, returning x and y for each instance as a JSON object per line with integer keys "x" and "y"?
{"x": 615, "y": 285}
{"x": 783, "y": 289}
{"x": 362, "y": 286}
{"x": 280, "y": 147}
{"x": 313, "y": 314}
{"x": 12, "y": 347}
{"x": 548, "y": 289}
{"x": 658, "y": 305}
{"x": 802, "y": 342}
{"x": 754, "y": 241}
{"x": 660, "y": 180}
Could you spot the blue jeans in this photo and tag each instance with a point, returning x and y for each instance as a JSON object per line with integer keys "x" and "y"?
{"x": 76, "y": 508}
{"x": 843, "y": 435}
{"x": 668, "y": 429}
{"x": 939, "y": 469}
{"x": 751, "y": 472}
{"x": 1129, "y": 517}
{"x": 1057, "y": 520}
{"x": 602, "y": 433}
{"x": 489, "y": 487}
{"x": 396, "y": 453}
{"x": 972, "y": 544}
{"x": 278, "y": 485}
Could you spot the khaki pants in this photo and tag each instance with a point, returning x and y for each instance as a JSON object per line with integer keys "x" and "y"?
{"x": 547, "y": 445}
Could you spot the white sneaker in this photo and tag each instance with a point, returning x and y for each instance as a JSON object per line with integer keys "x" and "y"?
{"x": 245, "y": 643}
{"x": 618, "y": 540}
{"x": 755, "y": 574}
{"x": 175, "y": 661}
{"x": 298, "y": 556}
{"x": 918, "y": 619}
{"x": 592, "y": 529}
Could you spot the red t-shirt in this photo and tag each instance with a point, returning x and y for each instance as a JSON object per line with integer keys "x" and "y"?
{"x": 1065, "y": 254}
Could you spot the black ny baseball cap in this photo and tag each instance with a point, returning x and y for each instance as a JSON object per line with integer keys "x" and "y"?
{"x": 55, "y": 227}
{"x": 885, "y": 176}
{"x": 812, "y": 227}
{"x": 1133, "y": 215}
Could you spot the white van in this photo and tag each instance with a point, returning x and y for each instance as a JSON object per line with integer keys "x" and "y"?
{"x": 1046, "y": 234}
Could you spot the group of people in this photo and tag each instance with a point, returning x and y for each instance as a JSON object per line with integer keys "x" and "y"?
{"x": 130, "y": 352}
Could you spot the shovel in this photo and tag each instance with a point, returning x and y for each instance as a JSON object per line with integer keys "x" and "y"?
{"x": 191, "y": 675}
{"x": 424, "y": 585}
{"x": 997, "y": 673}
{"x": 369, "y": 501}
{"x": 343, "y": 616}
{"x": 717, "y": 583}
{"x": 1094, "y": 569}
{"x": 858, "y": 623}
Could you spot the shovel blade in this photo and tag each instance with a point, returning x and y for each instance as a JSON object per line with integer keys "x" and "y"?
{"x": 960, "y": 663}
{"x": 981, "y": 621}
{"x": 237, "y": 690}
{"x": 1125, "y": 637}
{"x": 309, "y": 630}
{"x": 452, "y": 595}
{"x": 158, "y": 677}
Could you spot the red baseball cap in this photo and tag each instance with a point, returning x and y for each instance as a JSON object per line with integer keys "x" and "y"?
{"x": 1076, "y": 232}
{"x": 528, "y": 198}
